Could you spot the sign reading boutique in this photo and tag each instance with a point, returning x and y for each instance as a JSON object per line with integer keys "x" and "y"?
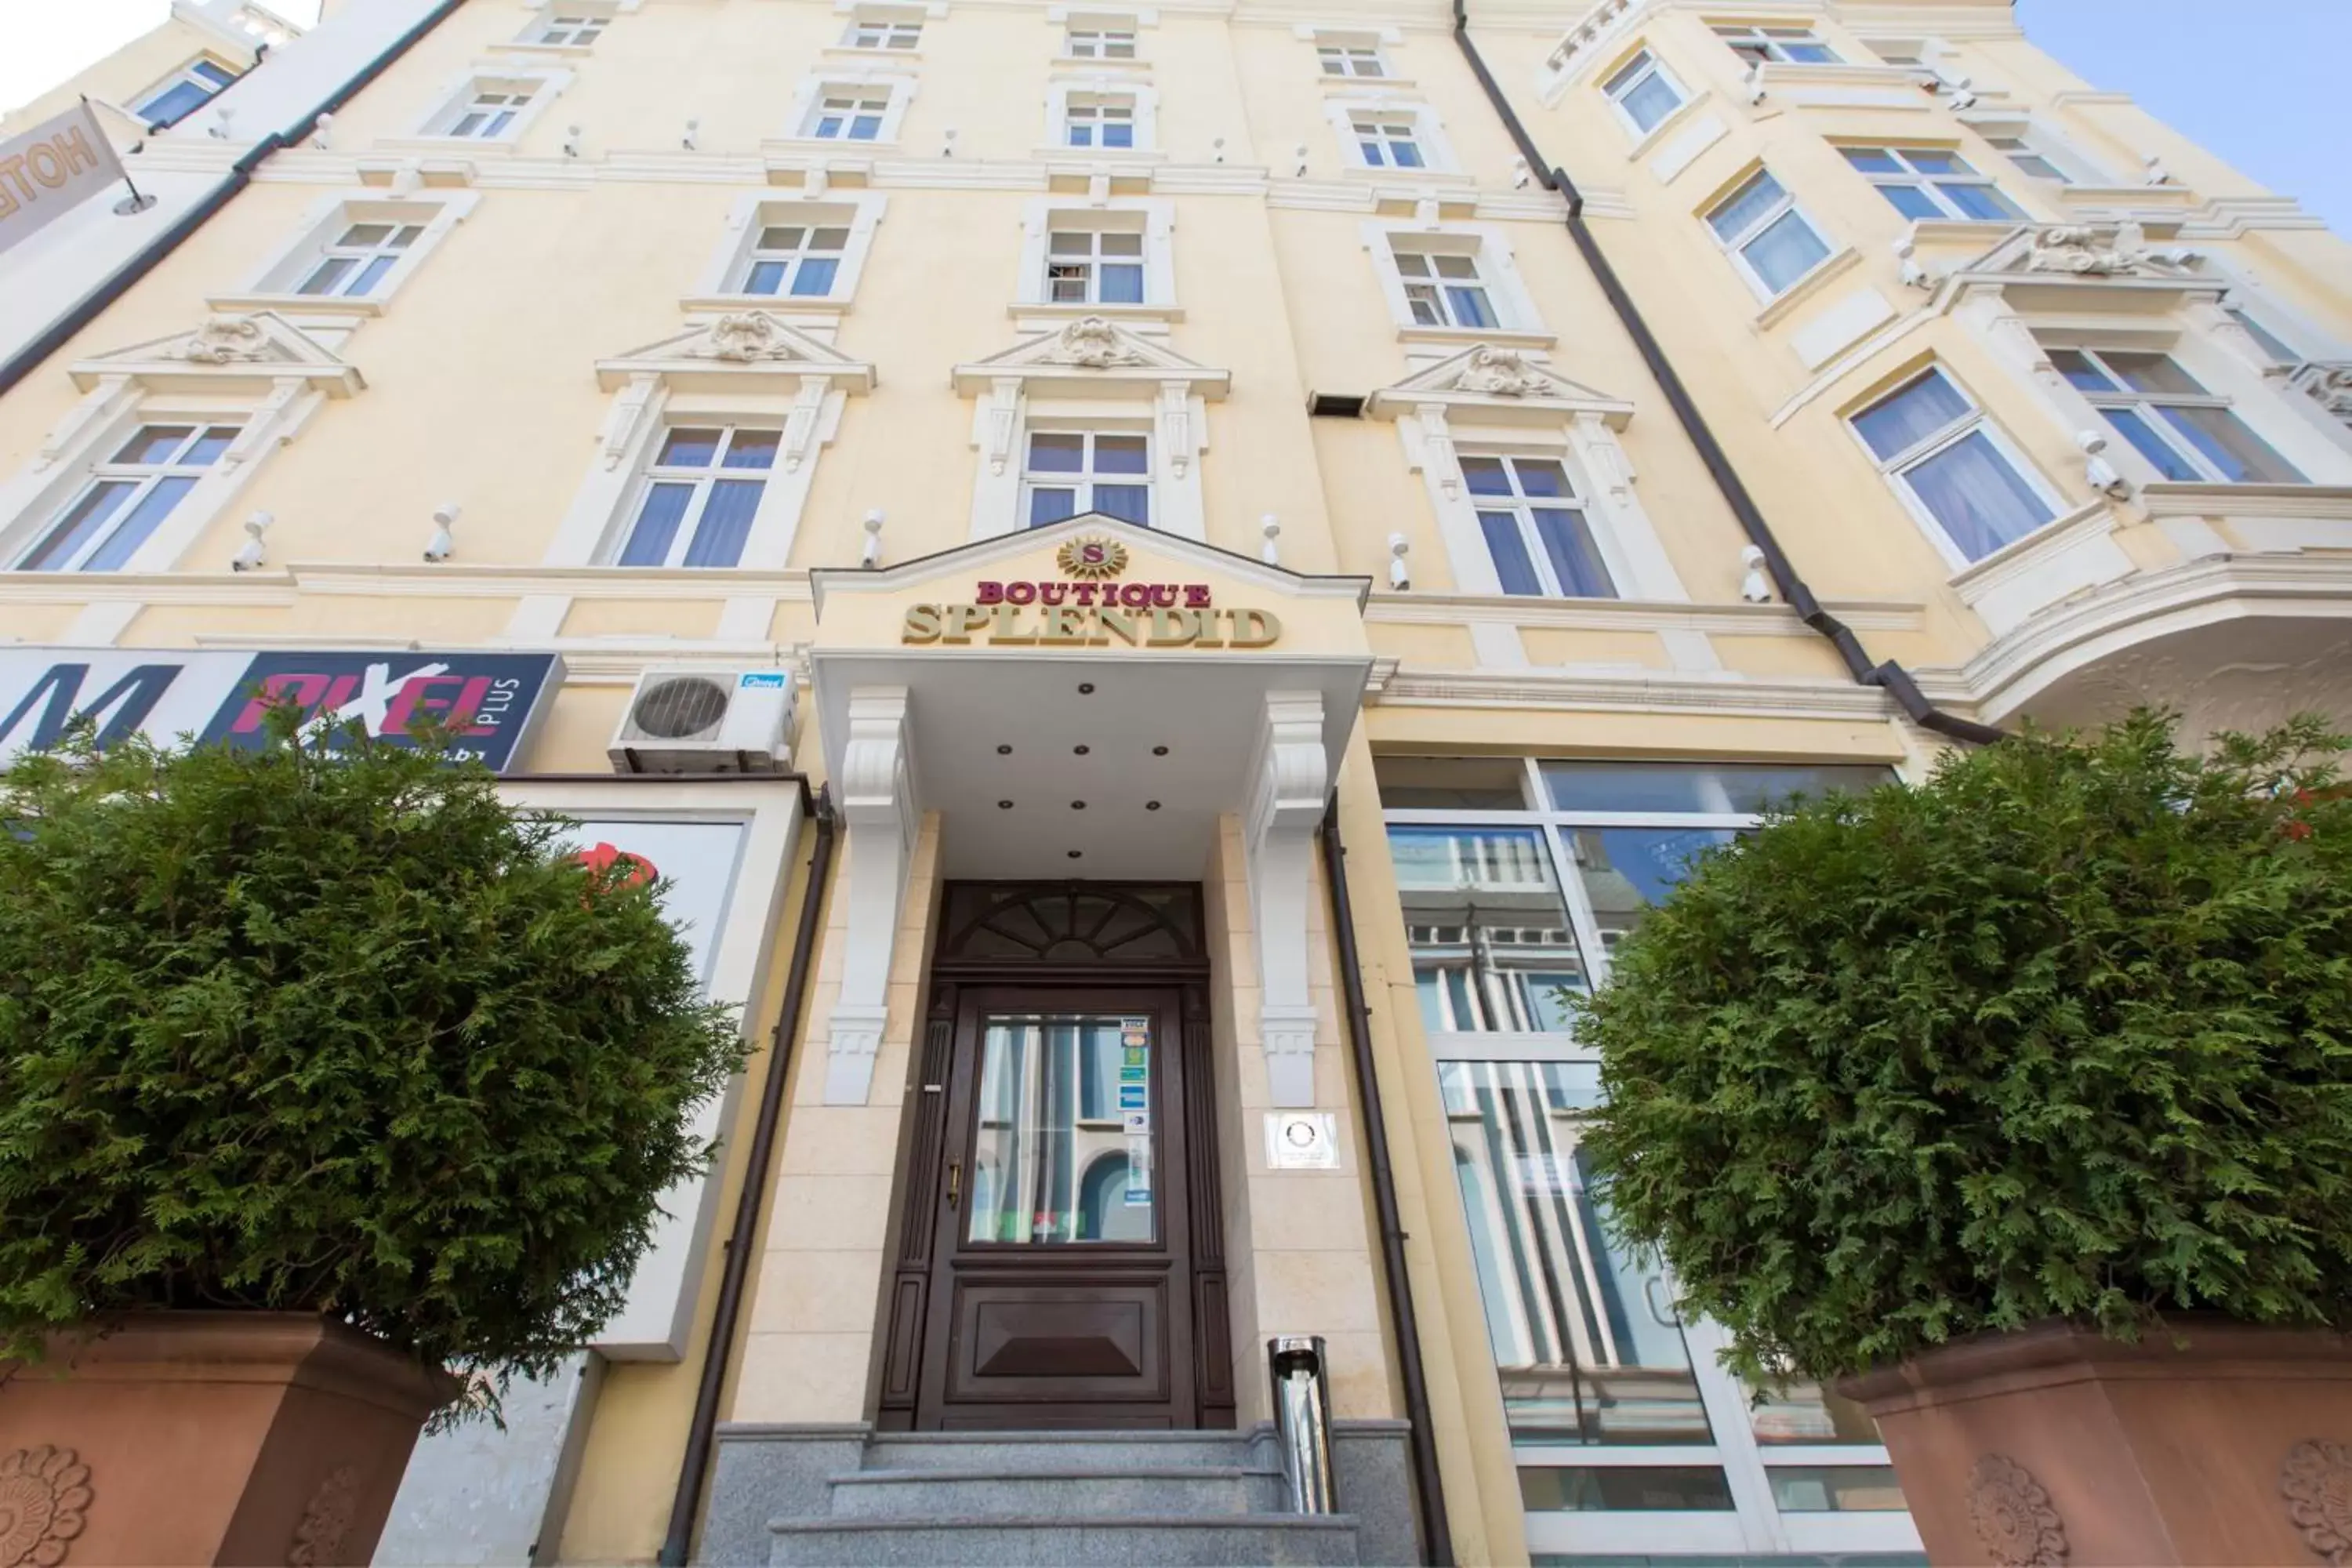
{"x": 485, "y": 700}
{"x": 1086, "y": 609}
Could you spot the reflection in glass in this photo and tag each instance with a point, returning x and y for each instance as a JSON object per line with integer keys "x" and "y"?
{"x": 1491, "y": 943}
{"x": 1835, "y": 1488}
{"x": 1680, "y": 787}
{"x": 1627, "y": 869}
{"x": 1800, "y": 1412}
{"x": 1052, "y": 1160}
{"x": 1584, "y": 1334}
{"x": 1553, "y": 1488}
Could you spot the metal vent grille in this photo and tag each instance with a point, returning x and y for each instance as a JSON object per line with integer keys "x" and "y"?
{"x": 688, "y": 707}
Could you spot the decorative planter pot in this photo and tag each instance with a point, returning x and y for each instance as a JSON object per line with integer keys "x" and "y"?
{"x": 2215, "y": 1443}
{"x": 207, "y": 1438}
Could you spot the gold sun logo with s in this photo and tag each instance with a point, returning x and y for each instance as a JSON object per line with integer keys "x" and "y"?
{"x": 1092, "y": 558}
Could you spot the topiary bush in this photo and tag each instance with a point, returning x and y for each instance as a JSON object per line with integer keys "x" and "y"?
{"x": 326, "y": 1026}
{"x": 2065, "y": 1032}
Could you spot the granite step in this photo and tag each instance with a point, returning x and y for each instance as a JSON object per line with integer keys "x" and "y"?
{"x": 1058, "y": 1492}
{"x": 1057, "y": 1450}
{"x": 1015, "y": 1540}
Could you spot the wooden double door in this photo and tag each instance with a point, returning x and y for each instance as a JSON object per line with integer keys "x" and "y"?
{"x": 1060, "y": 1263}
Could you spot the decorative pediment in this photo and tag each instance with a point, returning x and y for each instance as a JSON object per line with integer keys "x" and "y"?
{"x": 721, "y": 354}
{"x": 2116, "y": 254}
{"x": 229, "y": 354}
{"x": 1488, "y": 384}
{"x": 1092, "y": 356}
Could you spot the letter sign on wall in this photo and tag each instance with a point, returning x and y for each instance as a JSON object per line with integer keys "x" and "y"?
{"x": 51, "y": 169}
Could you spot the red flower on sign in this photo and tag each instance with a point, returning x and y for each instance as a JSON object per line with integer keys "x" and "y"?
{"x": 602, "y": 860}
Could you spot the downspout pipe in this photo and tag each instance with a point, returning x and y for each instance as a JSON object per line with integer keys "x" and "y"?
{"x": 1428, "y": 1487}
{"x": 694, "y": 1469}
{"x": 1886, "y": 673}
{"x": 118, "y": 283}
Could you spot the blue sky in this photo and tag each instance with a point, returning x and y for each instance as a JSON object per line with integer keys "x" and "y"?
{"x": 2259, "y": 82}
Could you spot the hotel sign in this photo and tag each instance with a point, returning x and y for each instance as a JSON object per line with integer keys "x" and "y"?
{"x": 485, "y": 700}
{"x": 50, "y": 169}
{"x": 1086, "y": 607}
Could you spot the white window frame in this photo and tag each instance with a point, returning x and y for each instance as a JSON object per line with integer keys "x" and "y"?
{"x": 1773, "y": 40}
{"x": 1102, "y": 34}
{"x": 437, "y": 130}
{"x": 2144, "y": 405}
{"x": 1755, "y": 1524}
{"x": 1352, "y": 49}
{"x": 1911, "y": 177}
{"x": 1523, "y": 506}
{"x": 802, "y": 125}
{"x": 1088, "y": 476}
{"x": 144, "y": 478}
{"x": 1154, "y": 217}
{"x": 1515, "y": 317}
{"x": 188, "y": 76}
{"x": 1653, "y": 68}
{"x": 560, "y": 23}
{"x": 719, "y": 286}
{"x": 273, "y": 285}
{"x": 1428, "y": 133}
{"x": 651, "y": 474}
{"x": 886, "y": 24}
{"x": 1143, "y": 104}
{"x": 1735, "y": 248}
{"x": 1893, "y": 469}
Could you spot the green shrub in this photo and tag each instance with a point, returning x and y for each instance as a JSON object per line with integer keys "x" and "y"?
{"x": 301, "y": 1030}
{"x": 2065, "y": 1032}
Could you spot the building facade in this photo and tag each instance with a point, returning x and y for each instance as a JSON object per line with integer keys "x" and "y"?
{"x": 1164, "y": 581}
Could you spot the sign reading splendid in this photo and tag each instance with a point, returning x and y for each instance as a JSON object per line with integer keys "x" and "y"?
{"x": 1086, "y": 609}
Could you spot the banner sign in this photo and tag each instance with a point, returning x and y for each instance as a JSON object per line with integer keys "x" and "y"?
{"x": 51, "y": 169}
{"x": 487, "y": 700}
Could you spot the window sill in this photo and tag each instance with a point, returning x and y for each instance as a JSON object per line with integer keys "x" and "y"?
{"x": 824, "y": 146}
{"x": 1461, "y": 337}
{"x": 852, "y": 52}
{"x": 1363, "y": 84}
{"x": 1647, "y": 141}
{"x": 1836, "y": 265}
{"x": 772, "y": 304}
{"x": 358, "y": 309}
{"x": 2021, "y": 558}
{"x": 1060, "y": 312}
{"x": 543, "y": 51}
{"x": 492, "y": 147}
{"x": 1080, "y": 64}
{"x": 2174, "y": 498}
{"x": 1059, "y": 154}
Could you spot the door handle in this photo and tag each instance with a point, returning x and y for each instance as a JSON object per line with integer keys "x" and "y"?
{"x": 955, "y": 1181}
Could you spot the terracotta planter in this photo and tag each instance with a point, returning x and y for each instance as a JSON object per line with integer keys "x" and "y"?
{"x": 2216, "y": 1444}
{"x": 211, "y": 1438}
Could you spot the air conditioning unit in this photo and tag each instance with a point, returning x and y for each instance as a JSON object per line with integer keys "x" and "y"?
{"x": 707, "y": 721}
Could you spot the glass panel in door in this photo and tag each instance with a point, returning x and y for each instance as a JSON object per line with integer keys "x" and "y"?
{"x": 1062, "y": 1152}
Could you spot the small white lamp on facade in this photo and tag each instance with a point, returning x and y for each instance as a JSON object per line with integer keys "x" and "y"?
{"x": 693, "y": 134}
{"x": 1399, "y": 578}
{"x": 325, "y": 122}
{"x": 1755, "y": 587}
{"x": 1271, "y": 526}
{"x": 442, "y": 545}
{"x": 571, "y": 141}
{"x": 870, "y": 555}
{"x": 249, "y": 555}
{"x": 2101, "y": 474}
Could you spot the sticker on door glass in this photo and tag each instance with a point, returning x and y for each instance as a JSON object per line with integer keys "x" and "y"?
{"x": 1138, "y": 1173}
{"x": 1137, "y": 1120}
{"x": 1134, "y": 1096}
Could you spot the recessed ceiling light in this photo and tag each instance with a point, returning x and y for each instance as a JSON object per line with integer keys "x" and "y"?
{"x": 1159, "y": 751}
{"x": 1076, "y": 853}
{"x": 1004, "y": 805}
{"x": 1085, "y": 688}
{"x": 1080, "y": 751}
{"x": 1078, "y": 806}
{"x": 1004, "y": 750}
{"x": 1152, "y": 805}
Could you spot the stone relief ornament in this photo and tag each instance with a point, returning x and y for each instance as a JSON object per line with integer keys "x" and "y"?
{"x": 2080, "y": 251}
{"x": 327, "y": 1521}
{"x": 224, "y": 340}
{"x": 1095, "y": 343}
{"x": 44, "y": 1494}
{"x": 743, "y": 339}
{"x": 2316, "y": 1482}
{"x": 2013, "y": 1516}
{"x": 1505, "y": 372}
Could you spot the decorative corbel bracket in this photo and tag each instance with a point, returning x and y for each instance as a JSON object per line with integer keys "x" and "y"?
{"x": 877, "y": 804}
{"x": 1290, "y": 779}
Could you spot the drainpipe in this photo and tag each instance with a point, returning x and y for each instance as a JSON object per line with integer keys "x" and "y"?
{"x": 696, "y": 1466}
{"x": 29, "y": 358}
{"x": 1428, "y": 1488}
{"x": 1887, "y": 674}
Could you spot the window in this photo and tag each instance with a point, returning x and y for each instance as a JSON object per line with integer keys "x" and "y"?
{"x": 1095, "y": 267}
{"x": 2186, "y": 432}
{"x": 1786, "y": 45}
{"x": 1067, "y": 472}
{"x": 850, "y": 114}
{"x": 1774, "y": 243}
{"x": 1100, "y": 43}
{"x": 1445, "y": 288}
{"x": 2038, "y": 165}
{"x": 887, "y": 32}
{"x": 801, "y": 261}
{"x": 197, "y": 85}
{"x": 1349, "y": 59}
{"x": 354, "y": 264}
{"x": 489, "y": 112}
{"x": 1936, "y": 446}
{"x": 570, "y": 27}
{"x": 128, "y": 495}
{"x": 1643, "y": 91}
{"x": 1931, "y": 182}
{"x": 1388, "y": 140}
{"x": 1097, "y": 120}
{"x": 1535, "y": 529}
{"x": 701, "y": 493}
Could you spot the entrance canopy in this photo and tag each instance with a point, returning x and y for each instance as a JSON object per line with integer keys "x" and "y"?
{"x": 1087, "y": 700}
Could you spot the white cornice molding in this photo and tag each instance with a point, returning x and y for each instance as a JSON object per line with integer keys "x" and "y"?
{"x": 1632, "y": 615}
{"x": 1649, "y": 692}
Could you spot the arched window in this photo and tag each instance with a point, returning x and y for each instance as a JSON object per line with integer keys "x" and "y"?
{"x": 1104, "y": 1213}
